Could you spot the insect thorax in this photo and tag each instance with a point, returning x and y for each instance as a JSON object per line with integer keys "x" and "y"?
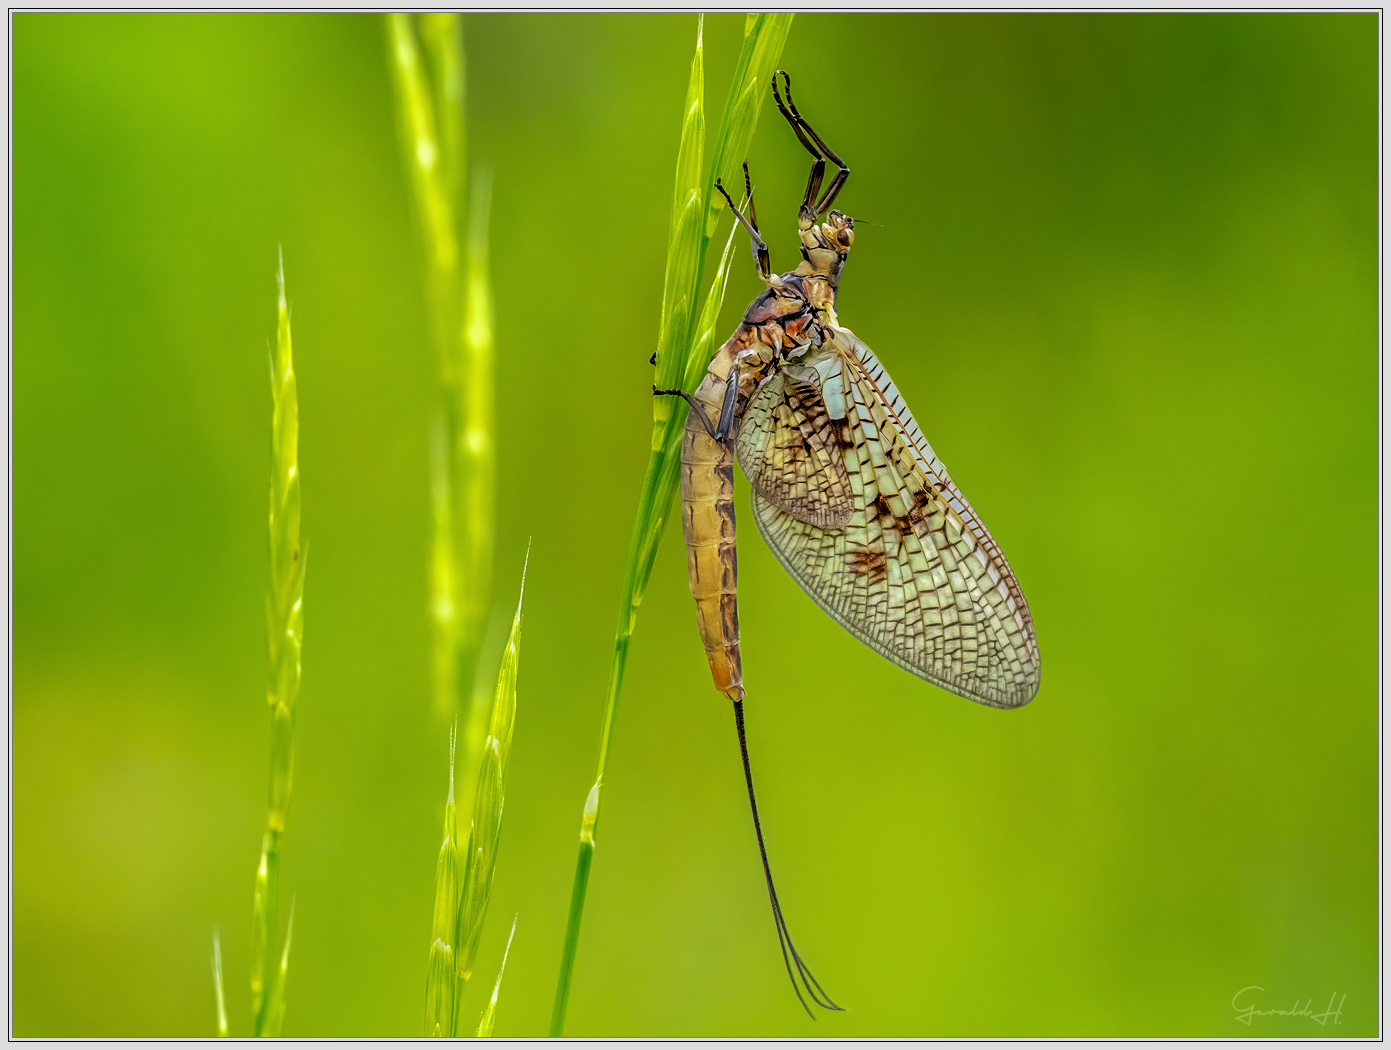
{"x": 794, "y": 312}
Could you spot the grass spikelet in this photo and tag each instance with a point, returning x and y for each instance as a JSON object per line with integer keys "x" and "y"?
{"x": 217, "y": 985}
{"x": 682, "y": 341}
{"x": 440, "y": 1003}
{"x": 285, "y": 629}
{"x": 480, "y": 858}
{"x": 485, "y": 1023}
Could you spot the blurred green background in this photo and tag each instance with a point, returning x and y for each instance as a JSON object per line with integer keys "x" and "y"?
{"x": 1153, "y": 240}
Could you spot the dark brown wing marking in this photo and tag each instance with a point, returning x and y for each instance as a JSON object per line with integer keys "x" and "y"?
{"x": 912, "y": 572}
{"x": 791, "y": 451}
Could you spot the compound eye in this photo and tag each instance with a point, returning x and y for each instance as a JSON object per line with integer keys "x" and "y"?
{"x": 839, "y": 229}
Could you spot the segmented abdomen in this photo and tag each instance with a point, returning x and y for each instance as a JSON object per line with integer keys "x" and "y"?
{"x": 707, "y": 519}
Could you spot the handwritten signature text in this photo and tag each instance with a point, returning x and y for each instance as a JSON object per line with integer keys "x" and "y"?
{"x": 1244, "y": 1005}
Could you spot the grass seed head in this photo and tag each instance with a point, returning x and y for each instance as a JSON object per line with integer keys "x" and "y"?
{"x": 285, "y": 632}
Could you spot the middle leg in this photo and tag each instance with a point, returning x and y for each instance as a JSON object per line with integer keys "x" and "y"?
{"x": 760, "y": 250}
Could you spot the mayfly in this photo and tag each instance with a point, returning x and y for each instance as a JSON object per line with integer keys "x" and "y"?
{"x": 846, "y": 491}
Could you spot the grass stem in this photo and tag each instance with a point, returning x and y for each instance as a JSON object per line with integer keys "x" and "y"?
{"x": 685, "y": 335}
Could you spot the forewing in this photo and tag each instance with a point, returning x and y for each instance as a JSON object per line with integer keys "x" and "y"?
{"x": 789, "y": 450}
{"x": 914, "y": 573}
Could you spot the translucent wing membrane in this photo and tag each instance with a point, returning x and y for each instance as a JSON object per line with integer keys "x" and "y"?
{"x": 911, "y": 570}
{"x": 790, "y": 452}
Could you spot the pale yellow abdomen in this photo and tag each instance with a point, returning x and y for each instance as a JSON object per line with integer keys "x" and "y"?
{"x": 707, "y": 519}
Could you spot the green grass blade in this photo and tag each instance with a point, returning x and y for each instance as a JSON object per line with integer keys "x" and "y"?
{"x": 217, "y": 985}
{"x": 485, "y": 1023}
{"x": 480, "y": 856}
{"x": 440, "y": 985}
{"x": 285, "y": 631}
{"x": 694, "y": 215}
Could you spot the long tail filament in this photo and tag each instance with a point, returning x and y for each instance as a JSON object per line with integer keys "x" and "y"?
{"x": 790, "y": 958}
